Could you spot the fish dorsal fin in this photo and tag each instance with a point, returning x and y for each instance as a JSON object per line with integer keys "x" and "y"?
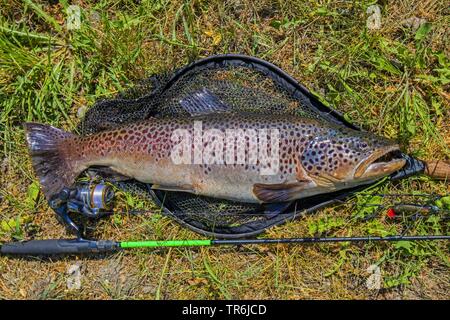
{"x": 280, "y": 192}
{"x": 203, "y": 102}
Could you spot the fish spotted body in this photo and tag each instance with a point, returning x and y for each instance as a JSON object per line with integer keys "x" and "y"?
{"x": 314, "y": 157}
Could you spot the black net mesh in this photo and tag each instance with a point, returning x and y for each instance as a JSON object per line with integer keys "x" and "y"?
{"x": 245, "y": 84}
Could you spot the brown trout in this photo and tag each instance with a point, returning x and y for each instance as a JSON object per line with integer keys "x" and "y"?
{"x": 308, "y": 156}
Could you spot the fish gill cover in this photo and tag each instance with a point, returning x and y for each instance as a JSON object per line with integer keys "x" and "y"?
{"x": 243, "y": 84}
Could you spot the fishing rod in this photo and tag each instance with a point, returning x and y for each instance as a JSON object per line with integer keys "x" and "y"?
{"x": 93, "y": 201}
{"x": 83, "y": 246}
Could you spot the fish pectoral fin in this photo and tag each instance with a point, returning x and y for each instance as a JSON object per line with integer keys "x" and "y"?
{"x": 183, "y": 188}
{"x": 326, "y": 180}
{"x": 203, "y": 102}
{"x": 281, "y": 192}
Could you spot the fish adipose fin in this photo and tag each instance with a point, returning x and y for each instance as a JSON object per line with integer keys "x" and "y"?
{"x": 281, "y": 192}
{"x": 203, "y": 102}
{"x": 50, "y": 162}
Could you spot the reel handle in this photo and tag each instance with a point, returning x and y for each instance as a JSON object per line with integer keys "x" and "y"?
{"x": 59, "y": 246}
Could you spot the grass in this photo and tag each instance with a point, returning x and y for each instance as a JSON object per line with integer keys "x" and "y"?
{"x": 393, "y": 81}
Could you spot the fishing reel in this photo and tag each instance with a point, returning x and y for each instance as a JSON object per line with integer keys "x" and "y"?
{"x": 88, "y": 199}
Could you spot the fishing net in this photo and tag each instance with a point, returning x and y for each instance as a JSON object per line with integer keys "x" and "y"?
{"x": 244, "y": 84}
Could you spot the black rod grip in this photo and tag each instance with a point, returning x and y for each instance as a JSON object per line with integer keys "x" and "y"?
{"x": 58, "y": 246}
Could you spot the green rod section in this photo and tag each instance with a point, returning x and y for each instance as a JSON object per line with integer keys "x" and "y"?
{"x": 165, "y": 243}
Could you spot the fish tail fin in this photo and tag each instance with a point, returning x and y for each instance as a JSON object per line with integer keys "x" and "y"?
{"x": 51, "y": 164}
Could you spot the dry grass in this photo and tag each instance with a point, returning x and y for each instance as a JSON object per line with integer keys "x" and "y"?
{"x": 387, "y": 81}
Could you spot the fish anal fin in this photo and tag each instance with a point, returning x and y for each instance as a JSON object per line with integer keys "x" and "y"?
{"x": 281, "y": 192}
{"x": 107, "y": 172}
{"x": 183, "y": 188}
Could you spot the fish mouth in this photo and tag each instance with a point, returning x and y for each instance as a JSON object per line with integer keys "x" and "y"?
{"x": 382, "y": 162}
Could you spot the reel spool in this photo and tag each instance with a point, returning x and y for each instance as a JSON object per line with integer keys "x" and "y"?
{"x": 95, "y": 197}
{"x": 86, "y": 199}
